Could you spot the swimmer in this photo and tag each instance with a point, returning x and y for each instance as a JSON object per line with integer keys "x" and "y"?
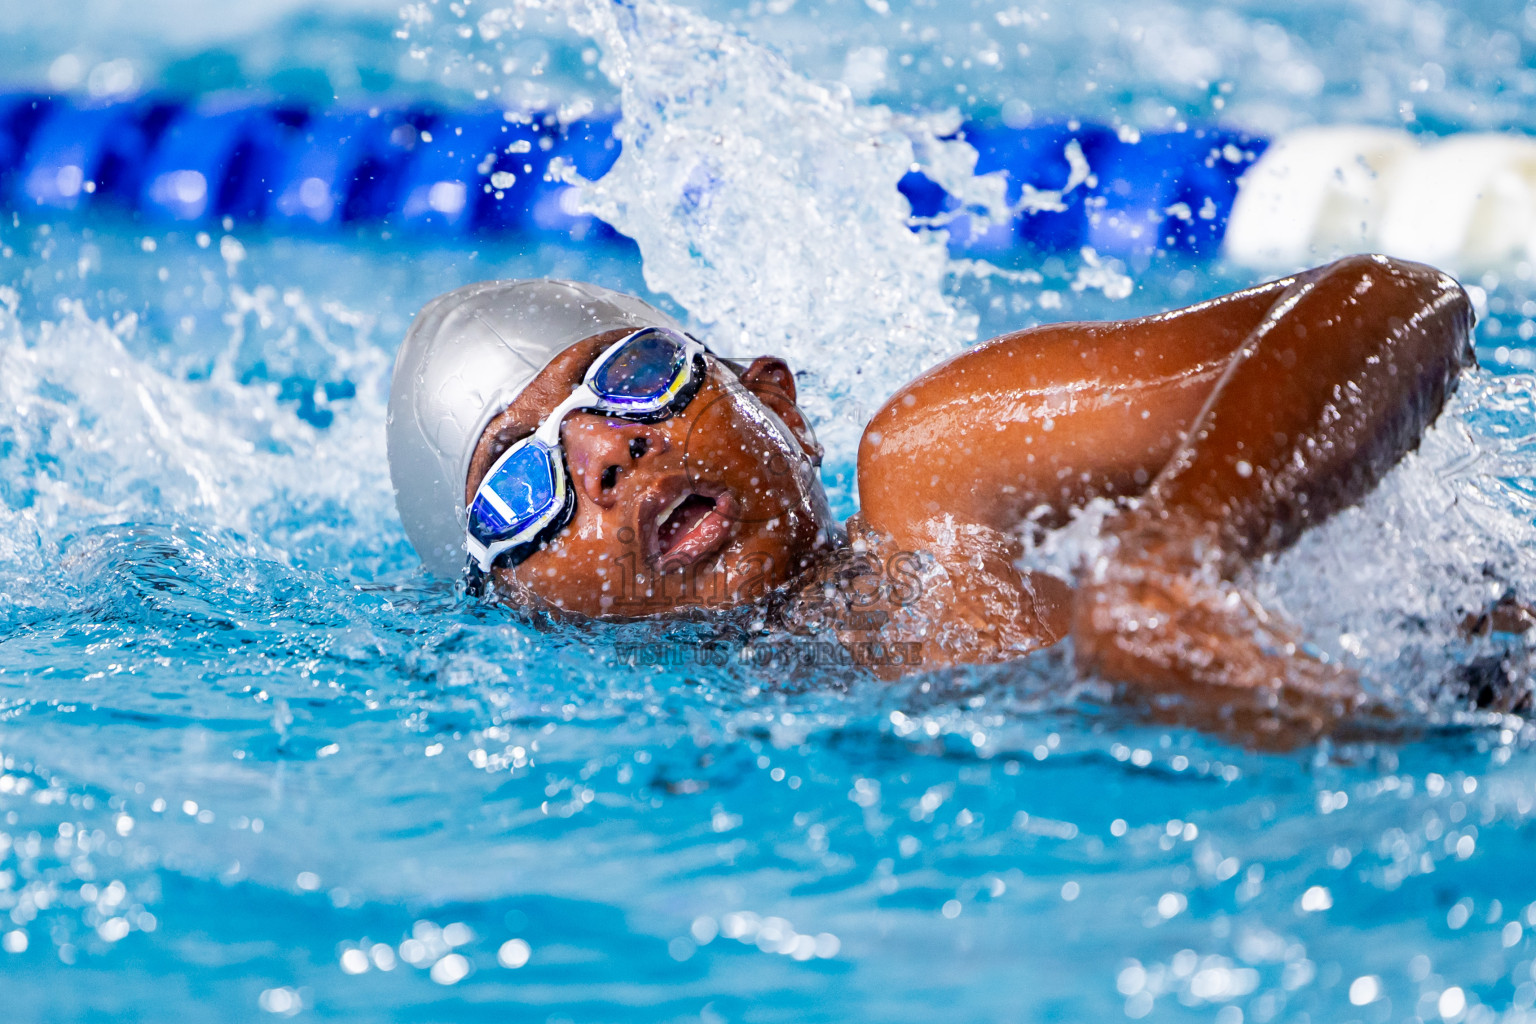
{"x": 581, "y": 453}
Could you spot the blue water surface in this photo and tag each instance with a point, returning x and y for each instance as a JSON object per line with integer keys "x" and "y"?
{"x": 257, "y": 764}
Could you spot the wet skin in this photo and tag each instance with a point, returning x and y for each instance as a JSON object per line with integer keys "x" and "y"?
{"x": 1224, "y": 430}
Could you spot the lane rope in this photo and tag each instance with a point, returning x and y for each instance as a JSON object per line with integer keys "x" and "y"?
{"x": 1465, "y": 201}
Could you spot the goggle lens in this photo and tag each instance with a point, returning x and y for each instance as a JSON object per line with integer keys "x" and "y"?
{"x": 644, "y": 369}
{"x": 520, "y": 491}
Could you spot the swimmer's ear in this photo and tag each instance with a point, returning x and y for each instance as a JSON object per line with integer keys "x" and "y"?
{"x": 770, "y": 379}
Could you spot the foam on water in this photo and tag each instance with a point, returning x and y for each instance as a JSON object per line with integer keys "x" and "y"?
{"x": 1387, "y": 583}
{"x": 95, "y": 437}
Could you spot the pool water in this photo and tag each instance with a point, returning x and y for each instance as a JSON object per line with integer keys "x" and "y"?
{"x": 256, "y": 764}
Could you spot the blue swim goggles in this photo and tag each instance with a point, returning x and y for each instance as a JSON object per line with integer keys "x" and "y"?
{"x": 526, "y": 497}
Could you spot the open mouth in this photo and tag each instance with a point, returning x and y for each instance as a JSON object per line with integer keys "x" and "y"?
{"x": 676, "y": 523}
{"x": 689, "y": 528}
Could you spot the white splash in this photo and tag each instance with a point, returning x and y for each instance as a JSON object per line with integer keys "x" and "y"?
{"x": 93, "y": 437}
{"x": 1387, "y": 584}
{"x": 766, "y": 204}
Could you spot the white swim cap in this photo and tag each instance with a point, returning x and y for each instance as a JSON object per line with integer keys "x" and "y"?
{"x": 467, "y": 356}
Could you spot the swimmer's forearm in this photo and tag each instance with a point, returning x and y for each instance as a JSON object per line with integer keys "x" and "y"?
{"x": 1337, "y": 384}
{"x": 1203, "y": 651}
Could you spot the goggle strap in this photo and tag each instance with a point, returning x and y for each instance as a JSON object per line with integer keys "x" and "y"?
{"x": 548, "y": 433}
{"x": 479, "y": 554}
{"x": 475, "y": 579}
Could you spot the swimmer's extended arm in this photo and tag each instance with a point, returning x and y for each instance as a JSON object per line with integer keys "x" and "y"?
{"x": 1328, "y": 393}
{"x": 1044, "y": 419}
{"x": 1333, "y": 380}
{"x": 1031, "y": 424}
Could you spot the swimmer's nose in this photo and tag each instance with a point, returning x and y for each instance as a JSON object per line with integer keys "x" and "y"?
{"x": 601, "y": 452}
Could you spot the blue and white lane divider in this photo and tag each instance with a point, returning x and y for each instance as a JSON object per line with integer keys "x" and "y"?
{"x": 416, "y": 170}
{"x": 1465, "y": 201}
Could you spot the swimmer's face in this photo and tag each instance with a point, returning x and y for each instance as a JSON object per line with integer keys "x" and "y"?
{"x": 709, "y": 508}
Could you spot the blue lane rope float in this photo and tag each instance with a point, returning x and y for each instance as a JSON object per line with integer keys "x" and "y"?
{"x": 449, "y": 173}
{"x": 1143, "y": 194}
{"x": 418, "y": 170}
{"x": 1467, "y": 200}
